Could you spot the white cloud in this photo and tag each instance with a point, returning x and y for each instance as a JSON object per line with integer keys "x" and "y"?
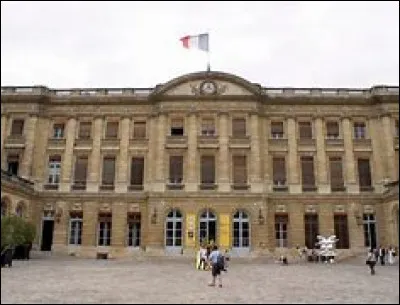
{"x": 136, "y": 44}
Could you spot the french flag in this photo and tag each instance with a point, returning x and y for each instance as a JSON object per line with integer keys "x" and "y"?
{"x": 197, "y": 41}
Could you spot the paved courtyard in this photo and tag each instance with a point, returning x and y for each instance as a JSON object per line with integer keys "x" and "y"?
{"x": 72, "y": 280}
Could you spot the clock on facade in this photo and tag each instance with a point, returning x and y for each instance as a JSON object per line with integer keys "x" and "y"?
{"x": 208, "y": 87}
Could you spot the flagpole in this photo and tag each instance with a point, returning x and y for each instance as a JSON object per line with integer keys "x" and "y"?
{"x": 208, "y": 53}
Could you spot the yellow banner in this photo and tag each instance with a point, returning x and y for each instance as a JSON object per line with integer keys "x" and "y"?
{"x": 190, "y": 230}
{"x": 225, "y": 229}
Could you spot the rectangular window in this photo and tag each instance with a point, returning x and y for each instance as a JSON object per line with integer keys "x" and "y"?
{"x": 139, "y": 130}
{"x": 177, "y": 127}
{"x": 369, "y": 224}
{"x": 75, "y": 229}
{"x": 54, "y": 170}
{"x": 58, "y": 131}
{"x": 364, "y": 174}
{"x": 80, "y": 174}
{"x": 359, "y": 130}
{"x": 104, "y": 231}
{"x": 207, "y": 127}
{"x": 137, "y": 171}
{"x": 336, "y": 172}
{"x": 207, "y": 169}
{"x": 134, "y": 230}
{"x": 281, "y": 226}
{"x": 112, "y": 130}
{"x": 238, "y": 127}
{"x": 239, "y": 170}
{"x": 311, "y": 230}
{"x": 108, "y": 171}
{"x": 341, "y": 231}
{"x": 85, "y": 130}
{"x": 277, "y": 130}
{"x": 305, "y": 130}
{"x": 17, "y": 127}
{"x": 332, "y": 130}
{"x": 307, "y": 173}
{"x": 12, "y": 164}
{"x": 279, "y": 171}
{"x": 175, "y": 169}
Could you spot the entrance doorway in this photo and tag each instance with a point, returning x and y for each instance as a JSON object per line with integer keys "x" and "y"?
{"x": 47, "y": 234}
{"x": 208, "y": 227}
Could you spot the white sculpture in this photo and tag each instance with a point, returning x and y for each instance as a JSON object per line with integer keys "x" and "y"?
{"x": 327, "y": 247}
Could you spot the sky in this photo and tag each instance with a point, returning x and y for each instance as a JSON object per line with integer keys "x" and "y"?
{"x": 136, "y": 44}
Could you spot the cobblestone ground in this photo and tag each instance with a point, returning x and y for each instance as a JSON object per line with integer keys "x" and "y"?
{"x": 72, "y": 280}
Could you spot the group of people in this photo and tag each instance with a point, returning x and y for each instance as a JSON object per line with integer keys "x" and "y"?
{"x": 211, "y": 258}
{"x": 382, "y": 255}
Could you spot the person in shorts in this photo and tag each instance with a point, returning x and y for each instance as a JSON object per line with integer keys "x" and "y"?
{"x": 214, "y": 258}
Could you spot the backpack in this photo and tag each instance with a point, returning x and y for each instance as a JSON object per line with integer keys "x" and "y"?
{"x": 220, "y": 262}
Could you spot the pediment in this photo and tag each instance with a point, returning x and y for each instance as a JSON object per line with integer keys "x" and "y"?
{"x": 207, "y": 84}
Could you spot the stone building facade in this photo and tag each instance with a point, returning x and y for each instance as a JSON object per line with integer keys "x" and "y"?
{"x": 207, "y": 155}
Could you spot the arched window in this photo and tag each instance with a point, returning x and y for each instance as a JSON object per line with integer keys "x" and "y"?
{"x": 173, "y": 229}
{"x": 241, "y": 230}
{"x": 207, "y": 226}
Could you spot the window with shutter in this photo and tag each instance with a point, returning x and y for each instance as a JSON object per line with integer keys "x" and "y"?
{"x": 207, "y": 169}
{"x": 239, "y": 127}
{"x": 58, "y": 131}
{"x": 175, "y": 169}
{"x": 17, "y": 127}
{"x": 139, "y": 130}
{"x": 311, "y": 230}
{"x": 207, "y": 127}
{"x": 137, "y": 173}
{"x": 336, "y": 172}
{"x": 364, "y": 174}
{"x": 239, "y": 170}
{"x": 332, "y": 130}
{"x": 279, "y": 171}
{"x": 307, "y": 173}
{"x": 277, "y": 130}
{"x": 80, "y": 174}
{"x": 85, "y": 129}
{"x": 177, "y": 127}
{"x": 112, "y": 130}
{"x": 305, "y": 130}
{"x": 359, "y": 130}
{"x": 108, "y": 171}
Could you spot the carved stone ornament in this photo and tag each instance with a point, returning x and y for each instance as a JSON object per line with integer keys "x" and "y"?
{"x": 208, "y": 87}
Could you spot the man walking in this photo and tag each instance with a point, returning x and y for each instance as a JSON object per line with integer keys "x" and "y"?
{"x": 217, "y": 264}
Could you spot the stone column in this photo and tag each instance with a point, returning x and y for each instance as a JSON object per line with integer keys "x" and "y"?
{"x": 40, "y": 164}
{"x": 350, "y": 169}
{"x": 326, "y": 221}
{"x": 26, "y": 164}
{"x": 61, "y": 226}
{"x": 119, "y": 227}
{"x": 89, "y": 226}
{"x": 293, "y": 162}
{"x": 191, "y": 180}
{"x": 265, "y": 157}
{"x": 322, "y": 173}
{"x": 388, "y": 137}
{"x": 296, "y": 224}
{"x": 223, "y": 157}
{"x": 159, "y": 185}
{"x": 95, "y": 163}
{"x": 67, "y": 158}
{"x": 378, "y": 160}
{"x": 150, "y": 166}
{"x": 4, "y": 119}
{"x": 255, "y": 159}
{"x": 356, "y": 233}
{"x": 123, "y": 162}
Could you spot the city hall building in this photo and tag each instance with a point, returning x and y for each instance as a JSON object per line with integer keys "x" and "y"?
{"x": 205, "y": 156}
